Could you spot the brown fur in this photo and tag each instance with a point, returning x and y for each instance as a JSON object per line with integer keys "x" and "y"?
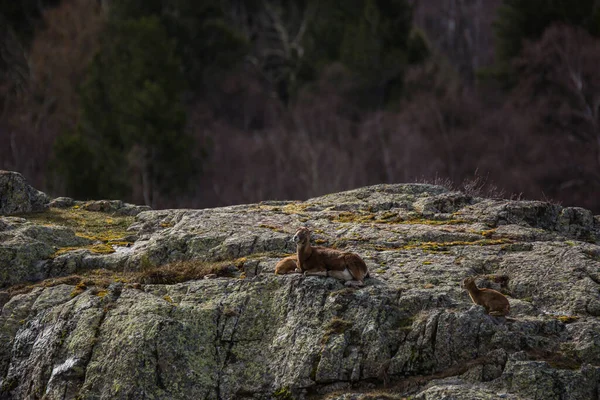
{"x": 495, "y": 303}
{"x": 324, "y": 261}
{"x": 287, "y": 265}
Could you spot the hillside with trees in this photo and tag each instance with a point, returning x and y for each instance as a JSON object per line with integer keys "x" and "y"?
{"x": 182, "y": 103}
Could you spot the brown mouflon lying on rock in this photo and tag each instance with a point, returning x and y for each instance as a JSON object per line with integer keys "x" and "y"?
{"x": 324, "y": 261}
{"x": 287, "y": 265}
{"x": 495, "y": 303}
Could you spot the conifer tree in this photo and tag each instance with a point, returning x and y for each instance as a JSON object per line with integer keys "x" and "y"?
{"x": 132, "y": 128}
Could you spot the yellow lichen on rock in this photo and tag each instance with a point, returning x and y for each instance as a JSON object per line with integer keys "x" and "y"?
{"x": 295, "y": 208}
{"x": 79, "y": 288}
{"x": 87, "y": 224}
{"x": 110, "y": 230}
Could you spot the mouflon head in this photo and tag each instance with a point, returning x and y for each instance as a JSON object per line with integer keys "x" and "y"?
{"x": 468, "y": 281}
{"x": 302, "y": 236}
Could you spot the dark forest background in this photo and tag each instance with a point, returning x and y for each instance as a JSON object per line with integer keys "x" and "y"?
{"x": 195, "y": 103}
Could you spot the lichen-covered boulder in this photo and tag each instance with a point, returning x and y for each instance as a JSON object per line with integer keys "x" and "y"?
{"x": 27, "y": 248}
{"x": 112, "y": 206}
{"x": 17, "y": 196}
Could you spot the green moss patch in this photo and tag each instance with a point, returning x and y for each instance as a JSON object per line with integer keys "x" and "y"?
{"x": 88, "y": 224}
{"x": 106, "y": 228}
{"x": 283, "y": 393}
{"x": 100, "y": 248}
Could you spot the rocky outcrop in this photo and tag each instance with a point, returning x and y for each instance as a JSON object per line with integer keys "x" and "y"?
{"x": 17, "y": 196}
{"x": 412, "y": 331}
{"x": 116, "y": 207}
{"x": 25, "y": 247}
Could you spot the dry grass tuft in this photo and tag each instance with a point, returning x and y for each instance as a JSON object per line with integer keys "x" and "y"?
{"x": 177, "y": 272}
{"x": 182, "y": 271}
{"x": 475, "y": 186}
{"x": 556, "y": 359}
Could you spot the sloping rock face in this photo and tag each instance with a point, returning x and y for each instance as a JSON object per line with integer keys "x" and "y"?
{"x": 411, "y": 331}
{"x": 17, "y": 196}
